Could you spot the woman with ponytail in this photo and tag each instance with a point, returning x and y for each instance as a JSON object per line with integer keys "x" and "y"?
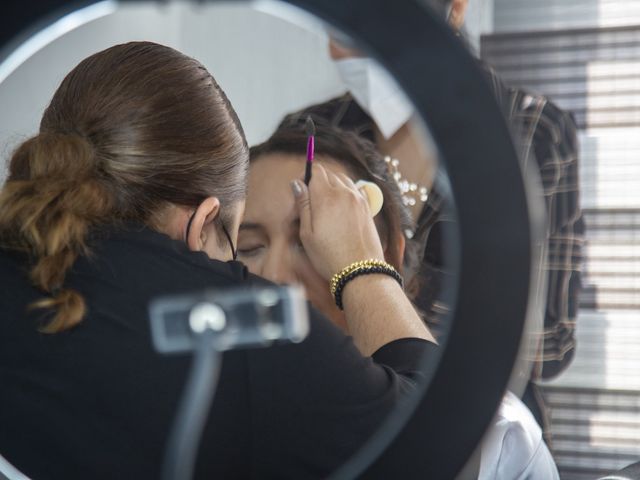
{"x": 133, "y": 188}
{"x": 46, "y": 209}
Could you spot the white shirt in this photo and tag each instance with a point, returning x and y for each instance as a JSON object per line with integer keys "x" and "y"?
{"x": 513, "y": 448}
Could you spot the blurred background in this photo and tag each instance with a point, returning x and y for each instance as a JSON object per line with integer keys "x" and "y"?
{"x": 585, "y": 56}
{"x": 582, "y": 54}
{"x": 251, "y": 48}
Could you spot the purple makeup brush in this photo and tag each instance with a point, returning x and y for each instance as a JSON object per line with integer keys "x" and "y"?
{"x": 310, "y": 128}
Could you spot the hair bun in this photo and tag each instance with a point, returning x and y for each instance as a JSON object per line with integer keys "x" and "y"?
{"x": 68, "y": 156}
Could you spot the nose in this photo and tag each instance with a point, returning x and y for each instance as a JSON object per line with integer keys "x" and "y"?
{"x": 278, "y": 267}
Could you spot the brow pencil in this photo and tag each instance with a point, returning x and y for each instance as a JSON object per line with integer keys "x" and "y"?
{"x": 310, "y": 128}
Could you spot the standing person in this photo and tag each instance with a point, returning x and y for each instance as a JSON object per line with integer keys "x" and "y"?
{"x": 376, "y": 108}
{"x": 126, "y": 194}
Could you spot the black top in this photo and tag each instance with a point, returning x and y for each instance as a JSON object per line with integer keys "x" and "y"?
{"x": 97, "y": 401}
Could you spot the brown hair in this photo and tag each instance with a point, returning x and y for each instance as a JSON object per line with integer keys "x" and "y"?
{"x": 130, "y": 131}
{"x": 364, "y": 161}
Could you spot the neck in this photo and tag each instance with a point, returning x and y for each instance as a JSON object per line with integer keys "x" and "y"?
{"x": 171, "y": 221}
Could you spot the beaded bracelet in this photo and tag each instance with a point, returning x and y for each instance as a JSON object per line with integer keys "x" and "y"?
{"x": 335, "y": 280}
{"x": 356, "y": 269}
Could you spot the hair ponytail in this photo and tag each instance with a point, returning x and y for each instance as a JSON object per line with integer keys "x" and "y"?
{"x": 52, "y": 197}
{"x": 116, "y": 146}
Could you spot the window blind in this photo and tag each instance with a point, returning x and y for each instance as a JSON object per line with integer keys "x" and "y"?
{"x": 585, "y": 56}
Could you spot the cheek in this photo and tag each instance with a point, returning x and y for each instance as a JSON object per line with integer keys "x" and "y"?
{"x": 253, "y": 263}
{"x": 318, "y": 294}
{"x": 311, "y": 280}
{"x": 211, "y": 247}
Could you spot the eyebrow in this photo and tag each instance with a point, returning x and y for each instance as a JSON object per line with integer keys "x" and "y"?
{"x": 251, "y": 226}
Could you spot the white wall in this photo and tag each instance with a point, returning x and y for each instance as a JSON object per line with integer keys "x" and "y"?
{"x": 479, "y": 21}
{"x": 267, "y": 65}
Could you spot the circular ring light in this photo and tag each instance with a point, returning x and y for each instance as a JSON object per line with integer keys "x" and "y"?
{"x": 438, "y": 431}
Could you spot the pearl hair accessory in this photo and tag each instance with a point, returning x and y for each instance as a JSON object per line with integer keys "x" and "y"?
{"x": 411, "y": 192}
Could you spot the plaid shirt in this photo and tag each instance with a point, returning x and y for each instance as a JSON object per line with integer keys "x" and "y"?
{"x": 546, "y": 135}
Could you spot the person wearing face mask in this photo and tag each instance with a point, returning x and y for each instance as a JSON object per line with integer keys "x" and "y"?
{"x": 269, "y": 244}
{"x": 375, "y": 108}
{"x": 125, "y": 195}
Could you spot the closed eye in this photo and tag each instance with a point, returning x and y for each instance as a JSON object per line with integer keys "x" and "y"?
{"x": 250, "y": 251}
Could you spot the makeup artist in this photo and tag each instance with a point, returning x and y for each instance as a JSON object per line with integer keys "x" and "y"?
{"x": 126, "y": 194}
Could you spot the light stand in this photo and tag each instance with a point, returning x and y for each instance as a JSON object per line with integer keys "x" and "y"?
{"x": 209, "y": 324}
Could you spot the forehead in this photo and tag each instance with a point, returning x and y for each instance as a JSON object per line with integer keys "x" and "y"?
{"x": 270, "y": 199}
{"x": 274, "y": 172}
{"x": 292, "y": 166}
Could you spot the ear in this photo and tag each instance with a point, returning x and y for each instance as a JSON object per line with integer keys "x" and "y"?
{"x": 458, "y": 13}
{"x": 206, "y": 212}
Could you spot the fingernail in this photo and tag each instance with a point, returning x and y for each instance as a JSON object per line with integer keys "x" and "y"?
{"x": 297, "y": 188}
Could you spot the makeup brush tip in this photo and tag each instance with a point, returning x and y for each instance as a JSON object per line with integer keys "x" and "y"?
{"x": 310, "y": 127}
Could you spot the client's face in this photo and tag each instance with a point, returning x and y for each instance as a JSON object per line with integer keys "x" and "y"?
{"x": 268, "y": 239}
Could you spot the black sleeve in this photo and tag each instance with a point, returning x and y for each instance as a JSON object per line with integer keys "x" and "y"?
{"x": 314, "y": 404}
{"x": 403, "y": 356}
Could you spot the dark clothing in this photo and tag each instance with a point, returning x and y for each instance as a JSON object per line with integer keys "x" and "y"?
{"x": 549, "y": 137}
{"x": 97, "y": 401}
{"x": 544, "y": 134}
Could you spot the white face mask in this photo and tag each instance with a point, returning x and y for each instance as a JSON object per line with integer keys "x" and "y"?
{"x": 376, "y": 92}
